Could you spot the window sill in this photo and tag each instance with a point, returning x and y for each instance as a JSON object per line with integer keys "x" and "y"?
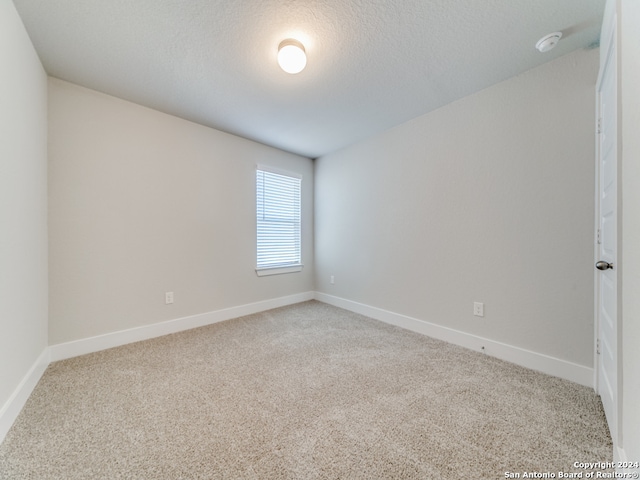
{"x": 263, "y": 272}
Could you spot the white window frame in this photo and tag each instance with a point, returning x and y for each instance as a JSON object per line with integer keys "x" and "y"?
{"x": 295, "y": 265}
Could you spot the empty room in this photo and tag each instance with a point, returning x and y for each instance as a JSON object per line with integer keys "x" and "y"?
{"x": 319, "y": 239}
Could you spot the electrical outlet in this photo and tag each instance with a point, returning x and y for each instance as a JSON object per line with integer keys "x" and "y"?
{"x": 478, "y": 309}
{"x": 168, "y": 298}
{"x": 332, "y": 280}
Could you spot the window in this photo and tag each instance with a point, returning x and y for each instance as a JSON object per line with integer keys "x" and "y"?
{"x": 277, "y": 222}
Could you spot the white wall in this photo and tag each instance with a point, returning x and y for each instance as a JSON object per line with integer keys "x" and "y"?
{"x": 142, "y": 203}
{"x": 23, "y": 206}
{"x": 488, "y": 199}
{"x": 630, "y": 166}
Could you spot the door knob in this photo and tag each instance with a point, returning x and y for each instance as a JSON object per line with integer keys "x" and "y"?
{"x": 604, "y": 265}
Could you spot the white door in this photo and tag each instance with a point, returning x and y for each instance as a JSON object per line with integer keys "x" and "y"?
{"x": 606, "y": 250}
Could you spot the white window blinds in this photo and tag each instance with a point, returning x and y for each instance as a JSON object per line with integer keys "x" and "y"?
{"x": 278, "y": 222}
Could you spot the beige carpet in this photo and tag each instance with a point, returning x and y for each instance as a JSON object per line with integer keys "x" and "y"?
{"x": 302, "y": 392}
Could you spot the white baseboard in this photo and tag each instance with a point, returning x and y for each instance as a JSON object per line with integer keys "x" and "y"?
{"x": 526, "y": 358}
{"x": 619, "y": 455}
{"x": 83, "y": 346}
{"x": 536, "y": 361}
{"x": 13, "y": 406}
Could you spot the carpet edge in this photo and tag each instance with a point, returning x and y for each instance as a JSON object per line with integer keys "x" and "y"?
{"x": 74, "y": 348}
{"x": 13, "y": 406}
{"x": 526, "y": 358}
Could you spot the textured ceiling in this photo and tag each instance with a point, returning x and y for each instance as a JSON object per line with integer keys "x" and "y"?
{"x": 372, "y": 64}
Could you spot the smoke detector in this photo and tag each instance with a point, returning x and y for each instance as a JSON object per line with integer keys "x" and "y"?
{"x": 547, "y": 42}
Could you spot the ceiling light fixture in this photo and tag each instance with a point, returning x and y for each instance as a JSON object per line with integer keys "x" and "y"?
{"x": 291, "y": 56}
{"x": 547, "y": 42}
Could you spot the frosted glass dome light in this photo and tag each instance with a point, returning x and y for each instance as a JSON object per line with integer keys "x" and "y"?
{"x": 291, "y": 56}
